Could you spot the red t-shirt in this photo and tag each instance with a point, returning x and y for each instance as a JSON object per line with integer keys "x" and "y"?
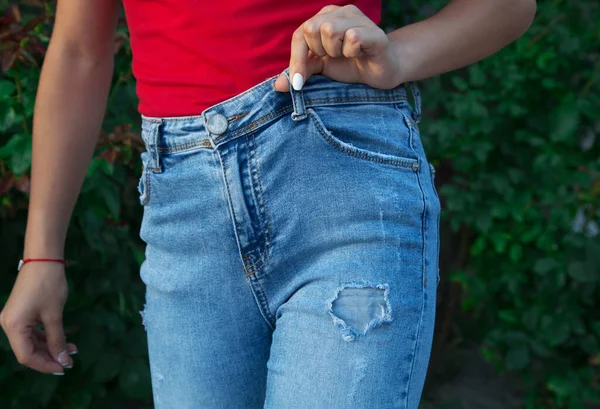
{"x": 191, "y": 54}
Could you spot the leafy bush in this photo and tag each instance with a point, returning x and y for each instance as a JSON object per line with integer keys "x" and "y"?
{"x": 105, "y": 293}
{"x": 515, "y": 142}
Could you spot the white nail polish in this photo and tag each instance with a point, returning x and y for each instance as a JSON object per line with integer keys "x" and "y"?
{"x": 297, "y": 81}
{"x": 73, "y": 352}
{"x": 58, "y": 373}
{"x": 62, "y": 358}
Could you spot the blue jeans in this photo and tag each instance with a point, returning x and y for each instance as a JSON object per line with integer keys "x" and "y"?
{"x": 292, "y": 250}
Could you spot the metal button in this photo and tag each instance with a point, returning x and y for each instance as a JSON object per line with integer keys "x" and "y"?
{"x": 217, "y": 124}
{"x": 415, "y": 166}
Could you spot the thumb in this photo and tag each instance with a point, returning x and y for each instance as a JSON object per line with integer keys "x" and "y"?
{"x": 55, "y": 339}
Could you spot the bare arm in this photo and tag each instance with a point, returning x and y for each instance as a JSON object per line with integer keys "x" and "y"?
{"x": 342, "y": 43}
{"x": 69, "y": 108}
{"x": 462, "y": 33}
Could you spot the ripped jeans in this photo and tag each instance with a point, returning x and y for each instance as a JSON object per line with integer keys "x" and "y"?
{"x": 292, "y": 250}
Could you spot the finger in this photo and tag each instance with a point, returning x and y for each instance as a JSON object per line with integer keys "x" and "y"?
{"x": 311, "y": 30}
{"x": 303, "y": 62}
{"x": 298, "y": 59}
{"x": 55, "y": 338}
{"x": 41, "y": 339}
{"x": 333, "y": 33}
{"x": 281, "y": 84}
{"x": 363, "y": 41}
{"x": 313, "y": 27}
{"x": 22, "y": 342}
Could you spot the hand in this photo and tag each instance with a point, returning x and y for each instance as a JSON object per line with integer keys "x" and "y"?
{"x": 38, "y": 296}
{"x": 345, "y": 45}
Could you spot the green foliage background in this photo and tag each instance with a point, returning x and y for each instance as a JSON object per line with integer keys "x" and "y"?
{"x": 516, "y": 142}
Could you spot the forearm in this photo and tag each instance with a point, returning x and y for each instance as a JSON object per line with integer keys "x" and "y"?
{"x": 69, "y": 109}
{"x": 462, "y": 33}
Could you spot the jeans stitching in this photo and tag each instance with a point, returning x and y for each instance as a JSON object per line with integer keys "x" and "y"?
{"x": 314, "y": 101}
{"x": 262, "y": 201}
{"x": 408, "y": 163}
{"x": 145, "y": 195}
{"x": 229, "y": 199}
{"x": 423, "y": 282}
{"x": 256, "y": 123}
{"x": 265, "y": 302}
{"x": 184, "y": 146}
{"x": 260, "y": 121}
{"x": 265, "y": 251}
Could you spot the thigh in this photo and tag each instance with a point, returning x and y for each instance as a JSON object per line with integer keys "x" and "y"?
{"x": 355, "y": 335}
{"x": 357, "y": 269}
{"x": 208, "y": 343}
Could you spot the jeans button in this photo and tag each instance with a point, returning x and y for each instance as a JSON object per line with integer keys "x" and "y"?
{"x": 217, "y": 124}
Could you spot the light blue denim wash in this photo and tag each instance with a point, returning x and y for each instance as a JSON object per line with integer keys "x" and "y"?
{"x": 292, "y": 250}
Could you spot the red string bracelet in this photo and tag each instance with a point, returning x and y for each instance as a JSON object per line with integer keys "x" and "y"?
{"x": 57, "y": 260}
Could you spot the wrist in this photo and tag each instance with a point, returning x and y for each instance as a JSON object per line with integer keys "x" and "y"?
{"x": 402, "y": 47}
{"x": 40, "y": 249}
{"x": 24, "y": 261}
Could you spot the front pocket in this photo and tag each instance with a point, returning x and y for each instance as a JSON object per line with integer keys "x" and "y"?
{"x": 371, "y": 131}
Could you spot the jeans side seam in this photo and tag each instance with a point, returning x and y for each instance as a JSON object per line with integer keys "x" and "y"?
{"x": 423, "y": 282}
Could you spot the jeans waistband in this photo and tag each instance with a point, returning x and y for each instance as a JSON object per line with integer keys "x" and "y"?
{"x": 260, "y": 105}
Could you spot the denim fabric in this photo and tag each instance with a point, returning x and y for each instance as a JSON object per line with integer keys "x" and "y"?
{"x": 292, "y": 256}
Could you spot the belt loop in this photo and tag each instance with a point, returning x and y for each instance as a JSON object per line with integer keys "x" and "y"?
{"x": 414, "y": 88}
{"x": 297, "y": 99}
{"x": 153, "y": 148}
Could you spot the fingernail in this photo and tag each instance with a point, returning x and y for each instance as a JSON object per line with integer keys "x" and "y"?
{"x": 58, "y": 373}
{"x": 63, "y": 358}
{"x": 73, "y": 352}
{"x": 297, "y": 81}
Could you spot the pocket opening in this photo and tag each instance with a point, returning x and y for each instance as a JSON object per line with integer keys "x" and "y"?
{"x": 352, "y": 134}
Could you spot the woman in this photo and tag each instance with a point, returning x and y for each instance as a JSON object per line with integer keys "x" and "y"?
{"x": 292, "y": 231}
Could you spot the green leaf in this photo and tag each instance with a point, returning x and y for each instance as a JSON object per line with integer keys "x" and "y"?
{"x": 545, "y": 265}
{"x": 517, "y": 358}
{"x": 516, "y": 251}
{"x": 561, "y": 386}
{"x": 580, "y": 272}
{"x": 18, "y": 151}
{"x": 107, "y": 366}
{"x": 566, "y": 121}
{"x": 134, "y": 380}
{"x": 80, "y": 399}
{"x": 6, "y": 88}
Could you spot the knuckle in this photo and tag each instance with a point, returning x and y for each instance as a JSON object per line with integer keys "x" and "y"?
{"x": 327, "y": 9}
{"x": 328, "y": 28}
{"x": 352, "y": 8}
{"x": 352, "y": 36}
{"x": 298, "y": 35}
{"x": 310, "y": 27}
{"x": 23, "y": 360}
{"x": 53, "y": 317}
{"x": 9, "y": 323}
